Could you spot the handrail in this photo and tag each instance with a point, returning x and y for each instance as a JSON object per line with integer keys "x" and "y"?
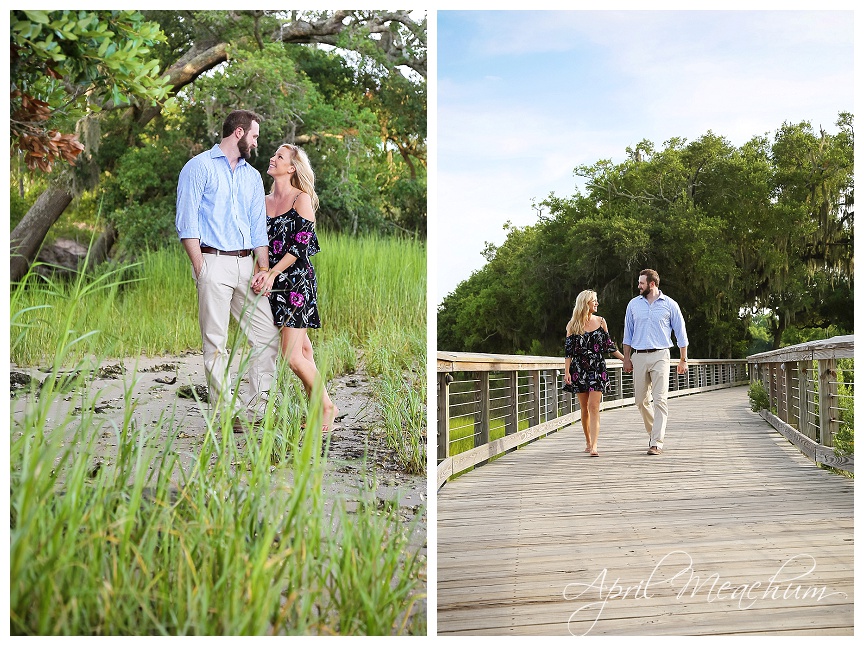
{"x": 801, "y": 384}
{"x": 523, "y": 397}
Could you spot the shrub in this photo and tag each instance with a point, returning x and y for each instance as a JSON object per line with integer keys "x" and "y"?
{"x": 758, "y": 396}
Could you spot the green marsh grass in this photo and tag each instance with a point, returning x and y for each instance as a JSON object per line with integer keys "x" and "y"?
{"x": 150, "y": 307}
{"x": 462, "y": 432}
{"x": 403, "y": 406}
{"x": 244, "y": 540}
{"x": 226, "y": 550}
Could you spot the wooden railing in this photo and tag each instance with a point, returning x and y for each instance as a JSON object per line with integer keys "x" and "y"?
{"x": 516, "y": 399}
{"x": 805, "y": 403}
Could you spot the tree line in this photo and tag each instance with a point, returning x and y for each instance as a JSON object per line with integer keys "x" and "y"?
{"x": 762, "y": 232}
{"x": 107, "y": 106}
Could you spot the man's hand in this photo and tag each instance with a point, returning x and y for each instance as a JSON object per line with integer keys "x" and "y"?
{"x": 259, "y": 280}
{"x": 682, "y": 366}
{"x": 628, "y": 365}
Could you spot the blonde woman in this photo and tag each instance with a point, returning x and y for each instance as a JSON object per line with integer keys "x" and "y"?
{"x": 584, "y": 366}
{"x": 290, "y": 281}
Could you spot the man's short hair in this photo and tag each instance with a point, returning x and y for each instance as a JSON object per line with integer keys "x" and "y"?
{"x": 651, "y": 275}
{"x": 239, "y": 119}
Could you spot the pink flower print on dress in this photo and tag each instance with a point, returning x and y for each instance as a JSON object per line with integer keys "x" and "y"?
{"x": 296, "y": 299}
{"x": 303, "y": 237}
{"x": 277, "y": 246}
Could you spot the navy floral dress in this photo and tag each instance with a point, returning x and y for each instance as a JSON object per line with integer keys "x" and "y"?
{"x": 587, "y": 364}
{"x": 294, "y": 296}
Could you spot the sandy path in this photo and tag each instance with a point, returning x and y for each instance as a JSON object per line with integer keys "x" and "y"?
{"x": 359, "y": 419}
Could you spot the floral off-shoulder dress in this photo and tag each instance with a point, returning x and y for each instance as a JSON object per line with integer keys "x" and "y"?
{"x": 294, "y": 296}
{"x": 587, "y": 364}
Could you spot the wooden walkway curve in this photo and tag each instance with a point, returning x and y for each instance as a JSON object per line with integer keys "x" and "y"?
{"x": 730, "y": 531}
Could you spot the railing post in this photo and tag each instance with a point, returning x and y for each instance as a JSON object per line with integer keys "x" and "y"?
{"x": 534, "y": 414}
{"x": 803, "y": 404}
{"x": 828, "y": 421}
{"x": 444, "y": 379}
{"x": 772, "y": 385}
{"x": 568, "y": 400}
{"x": 785, "y": 391}
{"x": 619, "y": 382}
{"x": 555, "y": 392}
{"x": 481, "y": 429}
{"x": 511, "y": 418}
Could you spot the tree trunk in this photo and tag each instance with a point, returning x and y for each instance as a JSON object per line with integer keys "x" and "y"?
{"x": 102, "y": 246}
{"x": 27, "y": 237}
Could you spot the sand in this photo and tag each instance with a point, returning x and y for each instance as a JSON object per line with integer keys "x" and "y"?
{"x": 154, "y": 383}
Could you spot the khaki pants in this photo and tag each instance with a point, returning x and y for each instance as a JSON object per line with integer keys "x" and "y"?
{"x": 223, "y": 289}
{"x": 651, "y": 377}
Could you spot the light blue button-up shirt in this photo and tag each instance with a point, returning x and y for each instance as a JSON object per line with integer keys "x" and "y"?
{"x": 649, "y": 326}
{"x": 223, "y": 209}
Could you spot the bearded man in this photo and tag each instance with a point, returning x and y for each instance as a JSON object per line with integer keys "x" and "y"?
{"x": 221, "y": 221}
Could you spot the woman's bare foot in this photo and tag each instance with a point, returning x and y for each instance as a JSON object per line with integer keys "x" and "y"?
{"x": 331, "y": 412}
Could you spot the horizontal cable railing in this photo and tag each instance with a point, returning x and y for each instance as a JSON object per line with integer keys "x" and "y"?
{"x": 806, "y": 401}
{"x": 489, "y": 404}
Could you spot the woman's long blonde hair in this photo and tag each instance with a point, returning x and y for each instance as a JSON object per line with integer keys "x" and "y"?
{"x": 581, "y": 312}
{"x": 304, "y": 176}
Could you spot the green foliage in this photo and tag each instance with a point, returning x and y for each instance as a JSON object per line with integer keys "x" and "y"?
{"x": 766, "y": 227}
{"x": 140, "y": 195}
{"x": 105, "y": 51}
{"x": 75, "y": 61}
{"x": 362, "y": 122}
{"x": 758, "y": 396}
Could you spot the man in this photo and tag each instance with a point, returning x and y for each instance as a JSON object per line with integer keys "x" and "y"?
{"x": 649, "y": 321}
{"x": 222, "y": 223}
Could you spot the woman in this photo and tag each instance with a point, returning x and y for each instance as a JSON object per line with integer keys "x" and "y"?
{"x": 584, "y": 366}
{"x": 290, "y": 283}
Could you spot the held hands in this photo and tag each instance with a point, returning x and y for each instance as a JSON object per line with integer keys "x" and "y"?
{"x": 262, "y": 282}
{"x": 628, "y": 365}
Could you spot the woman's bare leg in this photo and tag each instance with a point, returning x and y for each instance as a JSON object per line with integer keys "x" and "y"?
{"x": 594, "y": 399}
{"x": 297, "y": 349}
{"x": 585, "y": 417}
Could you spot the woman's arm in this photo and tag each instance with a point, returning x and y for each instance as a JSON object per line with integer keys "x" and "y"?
{"x": 615, "y": 352}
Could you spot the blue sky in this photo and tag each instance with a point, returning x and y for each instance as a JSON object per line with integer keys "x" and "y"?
{"x": 526, "y": 96}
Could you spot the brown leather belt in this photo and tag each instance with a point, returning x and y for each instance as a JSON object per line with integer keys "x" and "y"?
{"x": 651, "y": 350}
{"x": 242, "y": 253}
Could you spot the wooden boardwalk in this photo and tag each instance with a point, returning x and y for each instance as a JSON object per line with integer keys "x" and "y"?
{"x": 730, "y": 531}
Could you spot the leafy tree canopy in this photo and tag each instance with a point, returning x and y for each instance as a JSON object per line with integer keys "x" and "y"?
{"x": 764, "y": 228}
{"x": 65, "y": 63}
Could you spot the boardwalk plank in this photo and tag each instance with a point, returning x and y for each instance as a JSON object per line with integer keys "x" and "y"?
{"x": 728, "y": 491}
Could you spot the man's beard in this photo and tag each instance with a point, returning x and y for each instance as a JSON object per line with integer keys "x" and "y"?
{"x": 244, "y": 148}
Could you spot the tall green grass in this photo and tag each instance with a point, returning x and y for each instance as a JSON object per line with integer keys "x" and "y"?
{"x": 231, "y": 548}
{"x": 245, "y": 541}
{"x": 363, "y": 283}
